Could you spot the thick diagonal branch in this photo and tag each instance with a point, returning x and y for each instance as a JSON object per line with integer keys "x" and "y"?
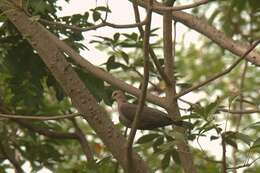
{"x": 80, "y": 96}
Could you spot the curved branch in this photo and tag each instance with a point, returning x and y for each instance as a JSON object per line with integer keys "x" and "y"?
{"x": 181, "y": 7}
{"x": 226, "y": 71}
{"x": 83, "y": 141}
{"x": 212, "y": 33}
{"x": 39, "y": 117}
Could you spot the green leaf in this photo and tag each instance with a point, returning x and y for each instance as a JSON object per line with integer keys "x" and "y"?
{"x": 96, "y": 16}
{"x": 256, "y": 143}
{"x": 147, "y": 138}
{"x": 212, "y": 137}
{"x": 231, "y": 142}
{"x": 237, "y": 135}
{"x": 243, "y": 137}
{"x": 192, "y": 116}
{"x": 255, "y": 125}
{"x": 178, "y": 136}
{"x": 132, "y": 36}
{"x": 166, "y": 160}
{"x": 103, "y": 8}
{"x": 116, "y": 36}
{"x": 157, "y": 142}
{"x": 125, "y": 56}
{"x": 212, "y": 107}
{"x": 168, "y": 146}
{"x": 175, "y": 156}
{"x": 111, "y": 64}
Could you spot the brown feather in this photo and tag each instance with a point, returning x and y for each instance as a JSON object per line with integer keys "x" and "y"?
{"x": 149, "y": 119}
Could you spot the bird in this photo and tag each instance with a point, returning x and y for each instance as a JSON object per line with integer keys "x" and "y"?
{"x": 150, "y": 118}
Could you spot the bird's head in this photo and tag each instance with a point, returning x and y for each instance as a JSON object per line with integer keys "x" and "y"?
{"x": 119, "y": 96}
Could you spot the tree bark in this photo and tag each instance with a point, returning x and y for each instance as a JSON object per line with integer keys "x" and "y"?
{"x": 173, "y": 108}
{"x": 80, "y": 96}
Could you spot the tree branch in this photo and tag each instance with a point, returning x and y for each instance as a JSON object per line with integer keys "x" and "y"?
{"x": 172, "y": 105}
{"x": 229, "y": 69}
{"x": 81, "y": 98}
{"x": 151, "y": 51}
{"x": 244, "y": 165}
{"x": 103, "y": 24}
{"x": 240, "y": 111}
{"x": 52, "y": 134}
{"x": 224, "y": 162}
{"x": 212, "y": 33}
{"x": 143, "y": 89}
{"x": 239, "y": 117}
{"x": 102, "y": 74}
{"x": 83, "y": 141}
{"x": 39, "y": 117}
{"x": 181, "y": 7}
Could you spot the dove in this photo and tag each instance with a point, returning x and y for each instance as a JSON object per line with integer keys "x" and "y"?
{"x": 150, "y": 118}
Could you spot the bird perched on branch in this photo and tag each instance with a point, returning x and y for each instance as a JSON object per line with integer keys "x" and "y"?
{"x": 149, "y": 119}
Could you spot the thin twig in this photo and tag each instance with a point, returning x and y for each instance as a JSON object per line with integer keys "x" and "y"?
{"x": 240, "y": 111}
{"x": 94, "y": 27}
{"x": 151, "y": 51}
{"x": 224, "y": 161}
{"x": 229, "y": 69}
{"x": 144, "y": 88}
{"x": 244, "y": 165}
{"x": 158, "y": 66}
{"x": 41, "y": 118}
{"x": 141, "y": 76}
{"x": 238, "y": 119}
{"x": 245, "y": 111}
{"x": 181, "y": 7}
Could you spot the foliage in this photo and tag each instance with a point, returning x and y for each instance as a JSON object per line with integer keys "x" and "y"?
{"x": 28, "y": 87}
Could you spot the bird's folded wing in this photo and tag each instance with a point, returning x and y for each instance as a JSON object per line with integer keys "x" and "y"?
{"x": 148, "y": 117}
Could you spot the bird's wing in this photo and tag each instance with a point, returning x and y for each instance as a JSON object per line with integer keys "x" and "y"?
{"x": 150, "y": 118}
{"x": 128, "y": 110}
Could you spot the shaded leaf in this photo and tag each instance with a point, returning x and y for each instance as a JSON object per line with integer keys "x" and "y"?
{"x": 147, "y": 138}
{"x": 166, "y": 160}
